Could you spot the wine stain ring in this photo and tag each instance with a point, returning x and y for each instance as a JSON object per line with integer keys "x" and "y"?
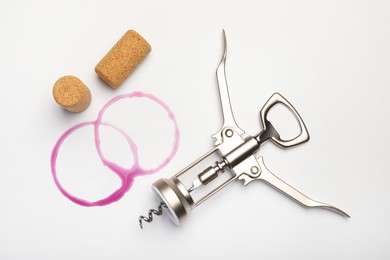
{"x": 126, "y": 175}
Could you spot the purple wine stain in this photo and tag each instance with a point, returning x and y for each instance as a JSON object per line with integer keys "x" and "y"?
{"x": 127, "y": 176}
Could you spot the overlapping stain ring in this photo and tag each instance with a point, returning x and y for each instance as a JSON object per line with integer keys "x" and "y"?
{"x": 126, "y": 175}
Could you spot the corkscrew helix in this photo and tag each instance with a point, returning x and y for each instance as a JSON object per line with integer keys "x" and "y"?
{"x": 237, "y": 155}
{"x": 149, "y": 218}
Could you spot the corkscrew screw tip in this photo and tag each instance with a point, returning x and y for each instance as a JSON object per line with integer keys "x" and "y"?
{"x": 149, "y": 218}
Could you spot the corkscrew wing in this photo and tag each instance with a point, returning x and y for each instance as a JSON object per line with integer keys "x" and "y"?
{"x": 267, "y": 176}
{"x": 227, "y": 112}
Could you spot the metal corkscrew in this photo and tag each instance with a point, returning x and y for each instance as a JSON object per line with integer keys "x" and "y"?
{"x": 156, "y": 212}
{"x": 235, "y": 154}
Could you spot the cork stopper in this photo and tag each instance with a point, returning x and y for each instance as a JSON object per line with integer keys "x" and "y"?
{"x": 123, "y": 58}
{"x": 72, "y": 94}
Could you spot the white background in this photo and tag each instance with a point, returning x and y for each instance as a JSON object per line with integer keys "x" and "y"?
{"x": 331, "y": 59}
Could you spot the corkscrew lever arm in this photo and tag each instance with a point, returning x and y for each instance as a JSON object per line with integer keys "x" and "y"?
{"x": 227, "y": 112}
{"x": 267, "y": 176}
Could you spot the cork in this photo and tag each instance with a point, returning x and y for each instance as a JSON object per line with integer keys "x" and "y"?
{"x": 123, "y": 58}
{"x": 72, "y": 94}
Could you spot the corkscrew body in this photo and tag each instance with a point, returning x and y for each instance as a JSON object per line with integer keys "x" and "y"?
{"x": 237, "y": 154}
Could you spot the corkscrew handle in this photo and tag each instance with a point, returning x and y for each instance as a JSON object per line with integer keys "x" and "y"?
{"x": 268, "y": 177}
{"x": 269, "y": 132}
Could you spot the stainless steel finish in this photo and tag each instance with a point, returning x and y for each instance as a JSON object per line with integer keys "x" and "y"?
{"x": 240, "y": 155}
{"x": 237, "y": 155}
{"x": 267, "y": 176}
{"x": 206, "y": 176}
{"x": 195, "y": 163}
{"x": 149, "y": 218}
{"x": 210, "y": 174}
{"x": 176, "y": 198}
{"x": 269, "y": 132}
{"x": 228, "y": 118}
{"x": 230, "y": 140}
{"x": 241, "y": 152}
{"x": 220, "y": 187}
{"x": 255, "y": 170}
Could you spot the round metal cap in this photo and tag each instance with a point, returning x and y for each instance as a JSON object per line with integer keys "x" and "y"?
{"x": 176, "y": 197}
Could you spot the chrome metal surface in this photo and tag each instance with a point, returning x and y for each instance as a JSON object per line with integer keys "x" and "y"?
{"x": 209, "y": 174}
{"x": 176, "y": 198}
{"x": 267, "y": 176}
{"x": 214, "y": 191}
{"x": 241, "y": 152}
{"x": 269, "y": 132}
{"x": 228, "y": 118}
